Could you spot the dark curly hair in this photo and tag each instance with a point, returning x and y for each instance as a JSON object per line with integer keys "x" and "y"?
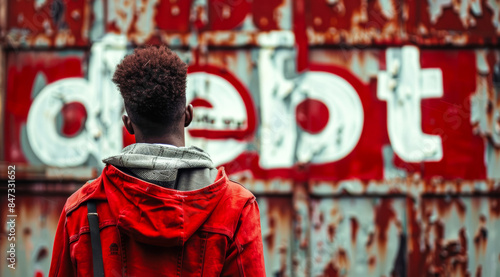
{"x": 152, "y": 82}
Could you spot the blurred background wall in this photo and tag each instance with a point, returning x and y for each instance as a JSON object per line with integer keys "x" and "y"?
{"x": 369, "y": 130}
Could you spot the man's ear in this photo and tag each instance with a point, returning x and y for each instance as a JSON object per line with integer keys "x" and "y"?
{"x": 188, "y": 115}
{"x": 128, "y": 124}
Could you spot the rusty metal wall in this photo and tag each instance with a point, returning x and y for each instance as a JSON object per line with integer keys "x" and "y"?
{"x": 369, "y": 130}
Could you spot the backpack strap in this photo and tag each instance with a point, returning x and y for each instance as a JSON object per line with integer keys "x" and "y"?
{"x": 95, "y": 239}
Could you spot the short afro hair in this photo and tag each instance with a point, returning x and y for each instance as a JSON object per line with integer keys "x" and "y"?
{"x": 152, "y": 82}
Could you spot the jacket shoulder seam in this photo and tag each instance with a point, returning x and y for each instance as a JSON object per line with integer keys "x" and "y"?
{"x": 251, "y": 196}
{"x": 79, "y": 198}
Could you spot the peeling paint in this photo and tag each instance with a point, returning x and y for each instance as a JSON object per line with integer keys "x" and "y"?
{"x": 350, "y": 23}
{"x": 495, "y": 19}
{"x": 277, "y": 234}
{"x": 485, "y": 106}
{"x": 449, "y": 245}
{"x": 132, "y": 18}
{"x": 453, "y": 22}
{"x": 49, "y": 23}
{"x": 356, "y": 236}
{"x": 35, "y": 233}
{"x": 388, "y": 8}
{"x": 464, "y": 8}
{"x": 301, "y": 243}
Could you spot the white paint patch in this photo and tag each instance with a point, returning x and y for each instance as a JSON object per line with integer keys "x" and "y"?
{"x": 39, "y": 3}
{"x": 50, "y": 147}
{"x": 145, "y": 24}
{"x": 480, "y": 100}
{"x": 228, "y": 110}
{"x": 102, "y": 135}
{"x": 494, "y": 5}
{"x": 345, "y": 123}
{"x": 403, "y": 86}
{"x": 121, "y": 14}
{"x": 278, "y": 131}
{"x": 487, "y": 125}
{"x": 388, "y": 8}
{"x": 464, "y": 8}
{"x": 282, "y": 142}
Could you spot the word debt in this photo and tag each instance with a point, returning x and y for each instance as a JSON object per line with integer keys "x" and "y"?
{"x": 319, "y": 116}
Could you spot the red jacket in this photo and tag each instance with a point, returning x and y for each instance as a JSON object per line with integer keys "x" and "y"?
{"x": 147, "y": 230}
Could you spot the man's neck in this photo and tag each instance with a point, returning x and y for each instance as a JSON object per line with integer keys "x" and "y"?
{"x": 168, "y": 139}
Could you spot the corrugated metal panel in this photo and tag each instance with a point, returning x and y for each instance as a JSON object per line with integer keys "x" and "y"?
{"x": 36, "y": 224}
{"x": 277, "y": 234}
{"x": 358, "y": 237}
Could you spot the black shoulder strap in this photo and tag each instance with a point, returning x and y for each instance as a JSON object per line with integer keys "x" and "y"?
{"x": 95, "y": 239}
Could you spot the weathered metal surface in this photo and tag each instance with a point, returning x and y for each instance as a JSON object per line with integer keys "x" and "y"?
{"x": 359, "y": 22}
{"x": 54, "y": 23}
{"x": 47, "y": 173}
{"x": 62, "y": 23}
{"x": 365, "y": 22}
{"x": 376, "y": 161}
{"x": 36, "y": 223}
{"x": 265, "y": 80}
{"x": 202, "y": 22}
{"x": 485, "y": 106}
{"x": 40, "y": 69}
{"x": 358, "y": 237}
{"x": 453, "y": 22}
{"x": 277, "y": 234}
{"x": 301, "y": 259}
{"x": 454, "y": 236}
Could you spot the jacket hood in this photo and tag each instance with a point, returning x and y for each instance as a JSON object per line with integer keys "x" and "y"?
{"x": 155, "y": 215}
{"x": 163, "y": 164}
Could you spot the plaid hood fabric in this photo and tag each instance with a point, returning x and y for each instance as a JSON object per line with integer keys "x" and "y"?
{"x": 159, "y": 163}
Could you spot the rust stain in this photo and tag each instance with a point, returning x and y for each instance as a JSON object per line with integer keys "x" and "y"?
{"x": 494, "y": 204}
{"x": 485, "y": 106}
{"x": 267, "y": 14}
{"x": 276, "y": 223}
{"x": 453, "y": 22}
{"x": 270, "y": 238}
{"x": 442, "y": 253}
{"x": 354, "y": 229}
{"x": 331, "y": 270}
{"x": 479, "y": 271}
{"x": 411, "y": 185}
{"x": 416, "y": 257}
{"x": 481, "y": 236}
{"x": 384, "y": 214}
{"x": 51, "y": 23}
{"x": 445, "y": 206}
{"x": 331, "y": 232}
{"x": 354, "y": 22}
{"x": 372, "y": 263}
{"x": 342, "y": 260}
